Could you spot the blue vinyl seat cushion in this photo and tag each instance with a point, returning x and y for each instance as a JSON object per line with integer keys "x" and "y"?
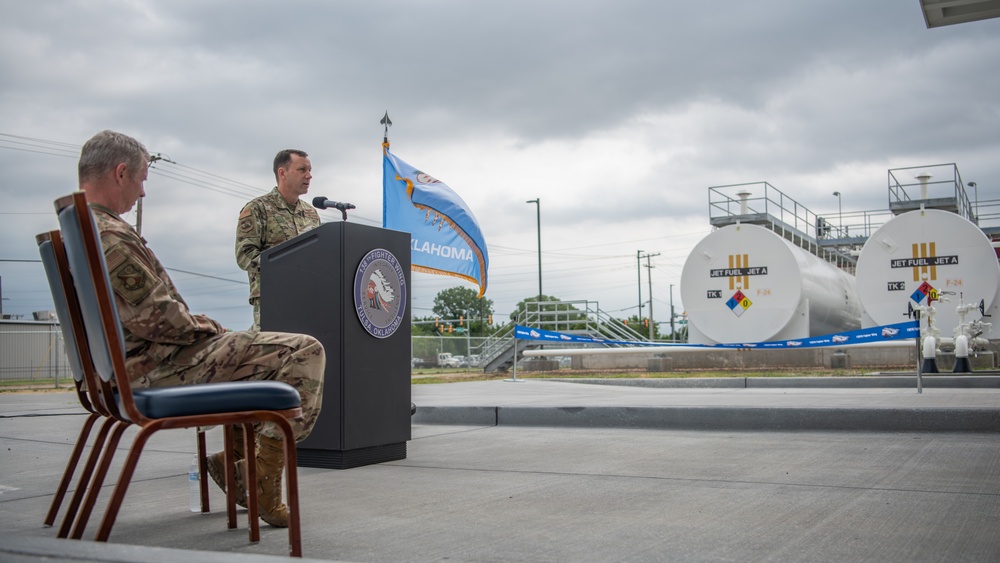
{"x": 213, "y": 398}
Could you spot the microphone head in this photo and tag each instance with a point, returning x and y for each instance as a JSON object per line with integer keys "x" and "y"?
{"x": 319, "y": 201}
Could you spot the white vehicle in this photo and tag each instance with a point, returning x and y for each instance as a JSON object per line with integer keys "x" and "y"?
{"x": 446, "y": 360}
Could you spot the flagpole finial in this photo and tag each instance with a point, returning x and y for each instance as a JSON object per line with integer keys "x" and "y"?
{"x": 388, "y": 123}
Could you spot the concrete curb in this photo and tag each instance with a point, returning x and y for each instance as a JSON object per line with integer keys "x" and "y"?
{"x": 860, "y": 382}
{"x": 722, "y": 418}
{"x": 471, "y": 416}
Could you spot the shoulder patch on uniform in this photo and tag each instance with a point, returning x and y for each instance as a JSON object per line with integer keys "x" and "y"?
{"x": 130, "y": 279}
{"x": 246, "y": 225}
{"x": 247, "y": 222}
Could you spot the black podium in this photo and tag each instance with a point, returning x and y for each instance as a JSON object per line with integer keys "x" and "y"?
{"x": 348, "y": 285}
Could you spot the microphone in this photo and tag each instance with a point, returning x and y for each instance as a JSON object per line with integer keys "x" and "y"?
{"x": 321, "y": 202}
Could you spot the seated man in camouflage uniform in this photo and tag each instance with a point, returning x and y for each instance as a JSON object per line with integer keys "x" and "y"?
{"x": 166, "y": 344}
{"x": 275, "y": 217}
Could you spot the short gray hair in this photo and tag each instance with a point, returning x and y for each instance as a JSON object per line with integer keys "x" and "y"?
{"x": 106, "y": 150}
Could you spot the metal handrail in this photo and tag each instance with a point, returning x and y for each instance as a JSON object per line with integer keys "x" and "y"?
{"x": 937, "y": 181}
{"x": 575, "y": 317}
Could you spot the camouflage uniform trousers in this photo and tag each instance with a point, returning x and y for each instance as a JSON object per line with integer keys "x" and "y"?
{"x": 296, "y": 359}
{"x": 255, "y": 301}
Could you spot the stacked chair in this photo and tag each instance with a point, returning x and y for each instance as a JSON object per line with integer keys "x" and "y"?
{"x": 78, "y": 277}
{"x": 90, "y": 391}
{"x": 68, "y": 310}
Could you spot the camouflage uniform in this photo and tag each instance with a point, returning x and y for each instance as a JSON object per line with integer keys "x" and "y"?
{"x": 166, "y": 345}
{"x": 264, "y": 222}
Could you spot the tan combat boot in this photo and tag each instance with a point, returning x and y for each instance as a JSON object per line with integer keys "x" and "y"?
{"x": 270, "y": 464}
{"x": 217, "y": 467}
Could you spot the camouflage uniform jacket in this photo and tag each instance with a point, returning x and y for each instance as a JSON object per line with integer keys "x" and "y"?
{"x": 155, "y": 320}
{"x": 268, "y": 221}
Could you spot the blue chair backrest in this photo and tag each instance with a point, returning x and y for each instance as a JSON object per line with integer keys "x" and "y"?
{"x": 76, "y": 253}
{"x": 62, "y": 307}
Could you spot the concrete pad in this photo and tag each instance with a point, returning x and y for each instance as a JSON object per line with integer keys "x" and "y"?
{"x": 25, "y": 550}
{"x": 485, "y": 492}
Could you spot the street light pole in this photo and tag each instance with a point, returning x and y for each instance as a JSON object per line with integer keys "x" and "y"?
{"x": 840, "y": 215}
{"x": 975, "y": 187}
{"x": 538, "y": 217}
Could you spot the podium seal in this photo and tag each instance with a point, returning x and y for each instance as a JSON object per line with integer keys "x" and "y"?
{"x": 380, "y": 293}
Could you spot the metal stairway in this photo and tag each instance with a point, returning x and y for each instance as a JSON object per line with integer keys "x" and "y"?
{"x": 570, "y": 317}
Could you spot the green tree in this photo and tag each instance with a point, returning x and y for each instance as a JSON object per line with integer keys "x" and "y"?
{"x": 642, "y": 326}
{"x": 522, "y": 306}
{"x": 463, "y": 303}
{"x": 553, "y": 313}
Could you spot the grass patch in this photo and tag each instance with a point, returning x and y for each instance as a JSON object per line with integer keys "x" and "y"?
{"x": 454, "y": 376}
{"x": 35, "y": 385}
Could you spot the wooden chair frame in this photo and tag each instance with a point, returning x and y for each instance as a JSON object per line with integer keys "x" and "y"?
{"x": 186, "y": 406}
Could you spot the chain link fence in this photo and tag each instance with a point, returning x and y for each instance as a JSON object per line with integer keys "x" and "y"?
{"x": 425, "y": 349}
{"x": 33, "y": 352}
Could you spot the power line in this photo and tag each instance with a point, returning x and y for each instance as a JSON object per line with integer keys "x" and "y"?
{"x": 189, "y": 272}
{"x": 45, "y": 141}
{"x": 39, "y": 146}
{"x": 40, "y": 152}
{"x": 198, "y": 182}
{"x": 185, "y": 174}
{"x": 216, "y": 176}
{"x": 241, "y": 282}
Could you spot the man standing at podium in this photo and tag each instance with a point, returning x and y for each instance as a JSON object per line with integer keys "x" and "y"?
{"x": 167, "y": 345}
{"x": 273, "y": 218}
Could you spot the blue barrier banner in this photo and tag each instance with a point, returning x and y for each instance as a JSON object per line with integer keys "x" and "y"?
{"x": 884, "y": 333}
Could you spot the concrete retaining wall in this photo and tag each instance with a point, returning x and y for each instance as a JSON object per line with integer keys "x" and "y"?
{"x": 831, "y": 358}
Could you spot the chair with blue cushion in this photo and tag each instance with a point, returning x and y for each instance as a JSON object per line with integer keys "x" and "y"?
{"x": 67, "y": 309}
{"x": 185, "y": 406}
{"x": 91, "y": 392}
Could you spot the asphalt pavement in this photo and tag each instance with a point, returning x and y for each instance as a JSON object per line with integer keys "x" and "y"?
{"x": 577, "y": 471}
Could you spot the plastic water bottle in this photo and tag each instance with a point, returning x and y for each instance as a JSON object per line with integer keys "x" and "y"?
{"x": 194, "y": 490}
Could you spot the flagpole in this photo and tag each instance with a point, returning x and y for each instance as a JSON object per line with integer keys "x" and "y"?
{"x": 388, "y": 123}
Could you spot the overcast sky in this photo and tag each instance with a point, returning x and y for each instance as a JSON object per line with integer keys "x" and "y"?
{"x": 618, "y": 115}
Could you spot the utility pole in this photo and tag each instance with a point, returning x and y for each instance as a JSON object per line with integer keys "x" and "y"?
{"x": 638, "y": 267}
{"x": 649, "y": 275}
{"x": 138, "y": 204}
{"x": 138, "y": 216}
{"x": 672, "y": 338}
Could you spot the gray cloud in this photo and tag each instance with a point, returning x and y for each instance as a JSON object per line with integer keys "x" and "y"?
{"x": 619, "y": 116}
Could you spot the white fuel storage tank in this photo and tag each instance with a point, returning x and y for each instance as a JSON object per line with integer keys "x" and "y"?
{"x": 924, "y": 251}
{"x": 744, "y": 283}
